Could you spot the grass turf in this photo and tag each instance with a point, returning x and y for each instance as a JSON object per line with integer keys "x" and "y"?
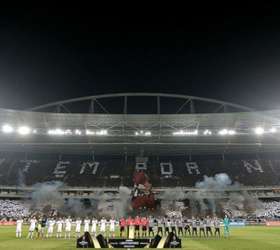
{"x": 247, "y": 238}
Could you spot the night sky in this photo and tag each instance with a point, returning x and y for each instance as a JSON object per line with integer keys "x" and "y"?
{"x": 48, "y": 55}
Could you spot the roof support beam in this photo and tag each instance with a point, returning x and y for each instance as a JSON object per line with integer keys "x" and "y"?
{"x": 91, "y": 106}
{"x": 182, "y": 106}
{"x": 192, "y": 108}
{"x": 125, "y": 105}
{"x": 158, "y": 105}
{"x": 178, "y": 96}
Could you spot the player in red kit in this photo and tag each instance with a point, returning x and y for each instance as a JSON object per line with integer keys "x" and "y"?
{"x": 129, "y": 223}
{"x": 122, "y": 226}
{"x": 137, "y": 223}
{"x": 145, "y": 223}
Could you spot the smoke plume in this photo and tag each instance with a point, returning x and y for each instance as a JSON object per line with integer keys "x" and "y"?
{"x": 47, "y": 194}
{"x": 46, "y": 197}
{"x": 209, "y": 197}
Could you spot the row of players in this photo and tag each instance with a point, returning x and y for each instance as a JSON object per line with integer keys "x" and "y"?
{"x": 149, "y": 226}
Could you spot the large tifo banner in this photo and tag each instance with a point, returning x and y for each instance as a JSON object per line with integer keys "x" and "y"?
{"x": 273, "y": 223}
{"x": 7, "y": 223}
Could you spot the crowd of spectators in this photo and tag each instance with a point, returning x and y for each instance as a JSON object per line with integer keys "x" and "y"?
{"x": 270, "y": 210}
{"x": 11, "y": 209}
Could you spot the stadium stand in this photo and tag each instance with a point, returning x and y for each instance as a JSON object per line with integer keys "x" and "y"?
{"x": 270, "y": 210}
{"x": 13, "y": 209}
{"x": 109, "y": 171}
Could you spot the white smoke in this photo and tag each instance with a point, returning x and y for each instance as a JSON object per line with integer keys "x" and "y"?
{"x": 210, "y": 197}
{"x": 110, "y": 204}
{"x": 218, "y": 182}
{"x": 47, "y": 196}
{"x": 20, "y": 178}
{"x": 169, "y": 199}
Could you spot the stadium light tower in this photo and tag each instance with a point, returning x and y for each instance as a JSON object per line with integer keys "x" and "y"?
{"x": 6, "y": 128}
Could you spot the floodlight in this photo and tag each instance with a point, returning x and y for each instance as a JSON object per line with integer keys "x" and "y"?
{"x": 273, "y": 130}
{"x": 6, "y": 128}
{"x": 227, "y": 132}
{"x": 143, "y": 133}
{"x": 231, "y": 132}
{"x": 259, "y": 130}
{"x": 207, "y": 132}
{"x": 24, "y": 130}
{"x": 101, "y": 132}
{"x": 223, "y": 132}
{"x": 59, "y": 131}
{"x": 89, "y": 132}
{"x": 68, "y": 132}
{"x": 186, "y": 132}
{"x": 78, "y": 132}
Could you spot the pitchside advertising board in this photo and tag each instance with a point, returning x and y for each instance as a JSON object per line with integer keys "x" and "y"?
{"x": 273, "y": 223}
{"x": 127, "y": 243}
{"x": 170, "y": 241}
{"x": 7, "y": 223}
{"x": 237, "y": 223}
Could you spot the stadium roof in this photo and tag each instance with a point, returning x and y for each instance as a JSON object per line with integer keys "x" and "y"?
{"x": 191, "y": 101}
{"x": 122, "y": 128}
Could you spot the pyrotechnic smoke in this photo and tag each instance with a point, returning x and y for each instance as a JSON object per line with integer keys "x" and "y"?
{"x": 240, "y": 204}
{"x": 218, "y": 182}
{"x": 46, "y": 196}
{"x": 110, "y": 204}
{"x": 20, "y": 178}
{"x": 169, "y": 198}
{"x": 211, "y": 191}
{"x": 209, "y": 196}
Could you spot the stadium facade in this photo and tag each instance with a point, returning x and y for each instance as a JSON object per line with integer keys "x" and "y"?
{"x": 176, "y": 139}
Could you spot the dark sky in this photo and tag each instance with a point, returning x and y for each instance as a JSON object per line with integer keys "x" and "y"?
{"x": 48, "y": 55}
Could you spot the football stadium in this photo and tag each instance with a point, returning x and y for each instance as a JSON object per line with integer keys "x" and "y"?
{"x": 140, "y": 170}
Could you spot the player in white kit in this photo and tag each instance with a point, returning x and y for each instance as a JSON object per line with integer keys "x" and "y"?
{"x": 217, "y": 227}
{"x": 78, "y": 227}
{"x": 103, "y": 223}
{"x": 208, "y": 226}
{"x": 86, "y": 224}
{"x": 50, "y": 224}
{"x": 68, "y": 224}
{"x": 94, "y": 226}
{"x": 31, "y": 228}
{"x": 59, "y": 228}
{"x": 19, "y": 228}
{"x": 112, "y": 228}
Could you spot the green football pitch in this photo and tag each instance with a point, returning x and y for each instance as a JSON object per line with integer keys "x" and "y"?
{"x": 247, "y": 238}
